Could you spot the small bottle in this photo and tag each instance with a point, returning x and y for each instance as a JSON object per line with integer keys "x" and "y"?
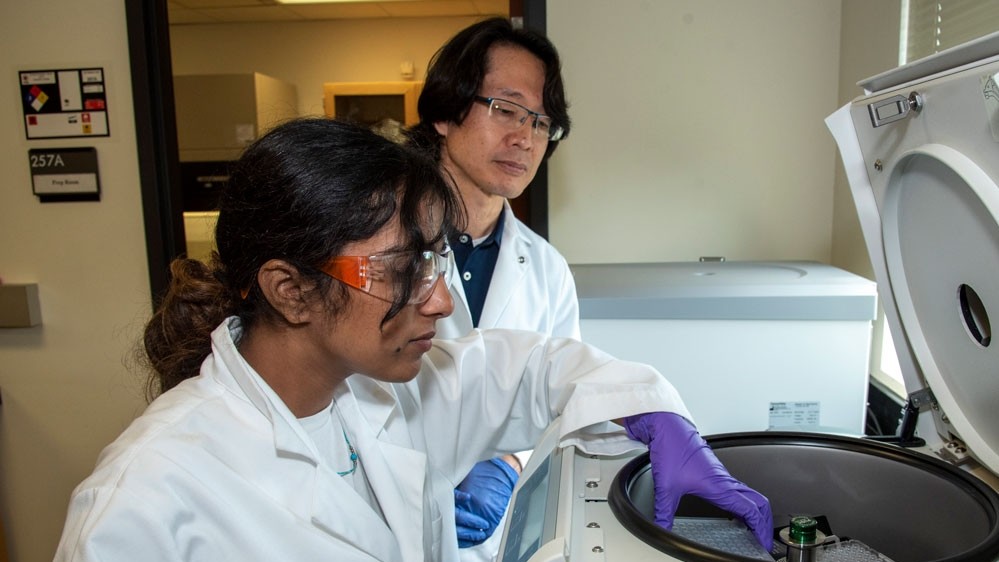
{"x": 802, "y": 538}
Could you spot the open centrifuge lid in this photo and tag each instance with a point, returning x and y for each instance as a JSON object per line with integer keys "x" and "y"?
{"x": 940, "y": 230}
{"x": 930, "y": 216}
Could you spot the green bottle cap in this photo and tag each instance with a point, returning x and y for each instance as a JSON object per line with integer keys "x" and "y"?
{"x": 803, "y": 529}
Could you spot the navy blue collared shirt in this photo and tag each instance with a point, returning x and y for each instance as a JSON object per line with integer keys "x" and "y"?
{"x": 476, "y": 265}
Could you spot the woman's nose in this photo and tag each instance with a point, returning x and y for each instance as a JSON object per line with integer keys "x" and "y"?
{"x": 440, "y": 302}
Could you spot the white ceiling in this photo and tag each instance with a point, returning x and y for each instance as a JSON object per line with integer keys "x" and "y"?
{"x": 182, "y": 12}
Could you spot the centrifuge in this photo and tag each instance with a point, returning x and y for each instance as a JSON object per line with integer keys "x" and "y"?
{"x": 921, "y": 152}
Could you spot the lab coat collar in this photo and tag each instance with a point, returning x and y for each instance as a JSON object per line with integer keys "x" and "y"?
{"x": 336, "y": 510}
{"x": 289, "y": 435}
{"x": 379, "y": 399}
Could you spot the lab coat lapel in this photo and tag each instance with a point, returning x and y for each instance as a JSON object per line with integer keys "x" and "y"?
{"x": 511, "y": 266}
{"x": 460, "y": 322}
{"x": 289, "y": 437}
{"x": 397, "y": 472}
{"x": 336, "y": 508}
{"x": 339, "y": 511}
{"x": 398, "y": 478}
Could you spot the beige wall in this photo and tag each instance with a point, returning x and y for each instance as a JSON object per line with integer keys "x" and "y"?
{"x": 66, "y": 392}
{"x": 877, "y": 53}
{"x": 697, "y": 130}
{"x": 700, "y": 185}
{"x": 313, "y": 53}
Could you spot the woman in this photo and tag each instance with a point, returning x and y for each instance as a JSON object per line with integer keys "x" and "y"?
{"x": 290, "y": 422}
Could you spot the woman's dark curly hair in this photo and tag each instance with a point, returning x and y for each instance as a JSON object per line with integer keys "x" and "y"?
{"x": 300, "y": 194}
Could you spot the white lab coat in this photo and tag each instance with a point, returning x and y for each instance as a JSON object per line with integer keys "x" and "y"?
{"x": 532, "y": 289}
{"x": 219, "y": 469}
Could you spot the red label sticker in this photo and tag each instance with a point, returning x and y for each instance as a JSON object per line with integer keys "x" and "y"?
{"x": 93, "y": 104}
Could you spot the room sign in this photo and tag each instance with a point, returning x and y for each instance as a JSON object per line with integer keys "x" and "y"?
{"x": 64, "y": 174}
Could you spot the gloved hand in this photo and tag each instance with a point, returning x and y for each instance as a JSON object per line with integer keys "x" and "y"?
{"x": 683, "y": 463}
{"x": 481, "y": 499}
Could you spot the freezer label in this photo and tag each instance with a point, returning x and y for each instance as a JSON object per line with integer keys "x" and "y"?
{"x": 793, "y": 414}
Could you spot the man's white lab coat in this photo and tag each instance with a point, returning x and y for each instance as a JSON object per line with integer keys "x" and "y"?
{"x": 531, "y": 289}
{"x": 219, "y": 469}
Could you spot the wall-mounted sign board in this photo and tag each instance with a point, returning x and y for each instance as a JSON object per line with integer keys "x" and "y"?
{"x": 64, "y": 103}
{"x": 64, "y": 174}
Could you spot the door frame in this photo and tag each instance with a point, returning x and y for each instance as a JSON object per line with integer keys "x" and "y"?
{"x": 156, "y": 137}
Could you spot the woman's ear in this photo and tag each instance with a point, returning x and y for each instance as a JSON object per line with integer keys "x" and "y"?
{"x": 286, "y": 289}
{"x": 442, "y": 128}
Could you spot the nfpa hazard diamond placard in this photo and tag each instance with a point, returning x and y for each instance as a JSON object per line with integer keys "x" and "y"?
{"x": 64, "y": 103}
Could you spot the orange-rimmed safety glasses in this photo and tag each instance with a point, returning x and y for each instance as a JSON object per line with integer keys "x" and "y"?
{"x": 384, "y": 276}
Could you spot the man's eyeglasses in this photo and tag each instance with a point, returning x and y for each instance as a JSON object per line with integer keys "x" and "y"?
{"x": 385, "y": 276}
{"x": 513, "y": 116}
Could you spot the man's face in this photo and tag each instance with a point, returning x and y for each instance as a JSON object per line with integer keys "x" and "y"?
{"x": 485, "y": 157}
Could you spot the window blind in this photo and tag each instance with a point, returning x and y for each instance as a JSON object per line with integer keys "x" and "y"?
{"x": 936, "y": 25}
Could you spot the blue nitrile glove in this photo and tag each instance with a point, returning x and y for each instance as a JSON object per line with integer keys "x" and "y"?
{"x": 683, "y": 463}
{"x": 481, "y": 499}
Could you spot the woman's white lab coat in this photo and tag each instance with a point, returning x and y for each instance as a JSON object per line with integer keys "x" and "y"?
{"x": 219, "y": 469}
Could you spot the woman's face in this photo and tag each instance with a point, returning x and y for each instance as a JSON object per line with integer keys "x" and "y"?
{"x": 358, "y": 341}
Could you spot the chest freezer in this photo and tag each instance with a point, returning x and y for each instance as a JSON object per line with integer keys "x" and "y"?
{"x": 750, "y": 346}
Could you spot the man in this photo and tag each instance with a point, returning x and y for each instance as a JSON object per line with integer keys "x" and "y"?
{"x": 492, "y": 109}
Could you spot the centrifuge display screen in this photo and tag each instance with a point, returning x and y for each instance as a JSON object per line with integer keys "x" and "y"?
{"x": 527, "y": 520}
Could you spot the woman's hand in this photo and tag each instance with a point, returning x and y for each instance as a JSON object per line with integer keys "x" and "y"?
{"x": 683, "y": 463}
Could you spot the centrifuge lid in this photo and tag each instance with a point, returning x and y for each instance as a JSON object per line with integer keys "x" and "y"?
{"x": 940, "y": 229}
{"x": 924, "y": 184}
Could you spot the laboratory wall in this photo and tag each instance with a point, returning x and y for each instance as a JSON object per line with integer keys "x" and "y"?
{"x": 65, "y": 386}
{"x": 868, "y": 46}
{"x": 315, "y": 52}
{"x": 697, "y": 130}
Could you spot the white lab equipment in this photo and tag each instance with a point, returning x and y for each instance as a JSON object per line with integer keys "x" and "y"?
{"x": 749, "y": 345}
{"x": 921, "y": 155}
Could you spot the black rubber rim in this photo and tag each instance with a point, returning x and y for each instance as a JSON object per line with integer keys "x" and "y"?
{"x": 619, "y": 496}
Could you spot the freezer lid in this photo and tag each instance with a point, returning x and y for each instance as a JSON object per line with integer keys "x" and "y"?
{"x": 726, "y": 290}
{"x": 928, "y": 204}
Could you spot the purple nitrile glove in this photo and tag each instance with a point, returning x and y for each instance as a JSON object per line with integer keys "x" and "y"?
{"x": 683, "y": 463}
{"x": 481, "y": 499}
